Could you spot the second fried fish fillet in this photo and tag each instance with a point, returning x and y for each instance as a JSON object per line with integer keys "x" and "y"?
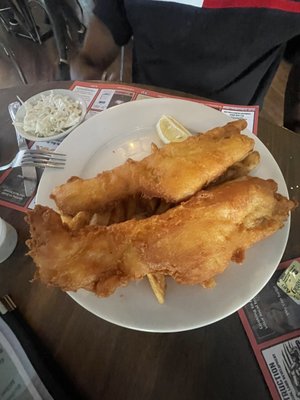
{"x": 192, "y": 242}
{"x": 139, "y": 208}
{"x": 173, "y": 173}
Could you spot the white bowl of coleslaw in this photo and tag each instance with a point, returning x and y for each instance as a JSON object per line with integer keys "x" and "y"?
{"x": 50, "y": 115}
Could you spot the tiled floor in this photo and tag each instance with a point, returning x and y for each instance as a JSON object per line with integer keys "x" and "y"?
{"x": 39, "y": 63}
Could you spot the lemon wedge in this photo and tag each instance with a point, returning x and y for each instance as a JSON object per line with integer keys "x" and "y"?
{"x": 169, "y": 130}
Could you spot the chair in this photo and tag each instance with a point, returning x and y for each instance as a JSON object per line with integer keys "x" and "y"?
{"x": 62, "y": 24}
{"x": 10, "y": 54}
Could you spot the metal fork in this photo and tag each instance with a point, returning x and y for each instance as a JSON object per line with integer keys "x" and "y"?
{"x": 36, "y": 158}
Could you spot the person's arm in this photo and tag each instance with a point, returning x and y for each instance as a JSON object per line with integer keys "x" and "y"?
{"x": 292, "y": 100}
{"x": 98, "y": 52}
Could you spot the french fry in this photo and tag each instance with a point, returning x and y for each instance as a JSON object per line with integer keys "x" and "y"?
{"x": 162, "y": 207}
{"x": 241, "y": 168}
{"x": 66, "y": 219}
{"x": 80, "y": 220}
{"x": 130, "y": 207}
{"x": 158, "y": 286}
{"x": 117, "y": 213}
{"x": 211, "y": 283}
{"x": 151, "y": 205}
{"x": 100, "y": 218}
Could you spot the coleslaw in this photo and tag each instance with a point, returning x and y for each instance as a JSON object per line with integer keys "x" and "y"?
{"x": 50, "y": 115}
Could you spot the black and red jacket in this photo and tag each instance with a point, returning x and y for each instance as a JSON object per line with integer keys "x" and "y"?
{"x": 227, "y": 50}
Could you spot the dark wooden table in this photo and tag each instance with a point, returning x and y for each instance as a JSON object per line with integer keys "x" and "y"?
{"x": 104, "y": 361}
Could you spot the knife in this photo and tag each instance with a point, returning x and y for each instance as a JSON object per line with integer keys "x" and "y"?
{"x": 29, "y": 173}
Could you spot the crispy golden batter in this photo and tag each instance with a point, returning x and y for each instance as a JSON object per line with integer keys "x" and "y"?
{"x": 173, "y": 173}
{"x": 139, "y": 208}
{"x": 192, "y": 242}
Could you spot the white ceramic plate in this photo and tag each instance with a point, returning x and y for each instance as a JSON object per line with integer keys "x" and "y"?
{"x": 106, "y": 141}
{"x": 64, "y": 92}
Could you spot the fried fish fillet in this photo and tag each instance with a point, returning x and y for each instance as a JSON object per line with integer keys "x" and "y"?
{"x": 192, "y": 243}
{"x": 173, "y": 173}
{"x": 139, "y": 208}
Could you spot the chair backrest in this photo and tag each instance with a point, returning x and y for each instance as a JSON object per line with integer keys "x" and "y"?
{"x": 120, "y": 69}
{"x": 10, "y": 54}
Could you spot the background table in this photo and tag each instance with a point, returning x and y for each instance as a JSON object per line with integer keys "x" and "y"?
{"x": 104, "y": 361}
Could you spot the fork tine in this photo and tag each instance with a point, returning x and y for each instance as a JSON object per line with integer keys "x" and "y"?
{"x": 42, "y": 164}
{"x": 36, "y": 158}
{"x": 42, "y": 151}
{"x": 42, "y": 161}
{"x": 42, "y": 157}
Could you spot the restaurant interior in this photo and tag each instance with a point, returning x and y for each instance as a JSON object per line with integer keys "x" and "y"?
{"x": 246, "y": 336}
